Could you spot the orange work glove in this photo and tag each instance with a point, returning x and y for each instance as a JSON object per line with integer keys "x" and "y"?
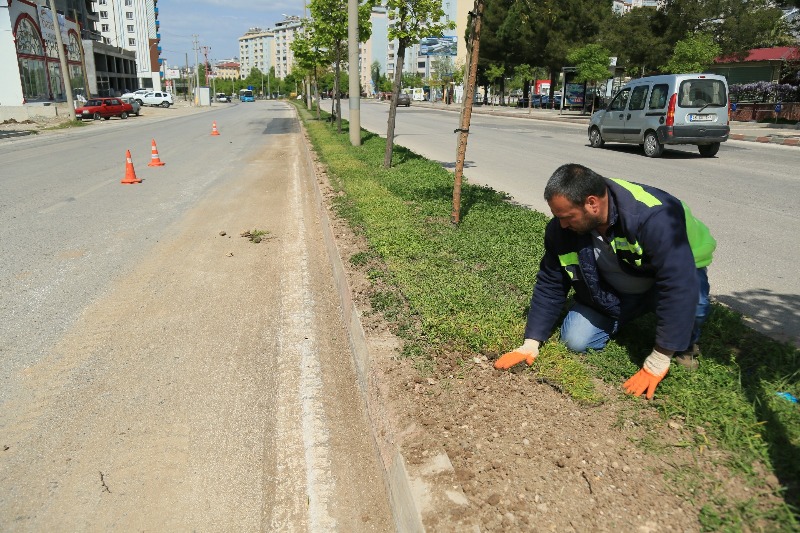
{"x": 528, "y": 352}
{"x": 653, "y": 370}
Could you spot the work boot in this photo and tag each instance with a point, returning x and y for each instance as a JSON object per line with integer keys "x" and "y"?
{"x": 688, "y": 359}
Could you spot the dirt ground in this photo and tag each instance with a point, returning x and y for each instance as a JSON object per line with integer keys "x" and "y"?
{"x": 530, "y": 458}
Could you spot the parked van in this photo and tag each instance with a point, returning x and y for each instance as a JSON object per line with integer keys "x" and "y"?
{"x": 671, "y": 109}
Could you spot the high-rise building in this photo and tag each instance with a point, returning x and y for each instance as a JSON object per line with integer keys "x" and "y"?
{"x": 285, "y": 32}
{"x": 133, "y": 25}
{"x": 256, "y": 51}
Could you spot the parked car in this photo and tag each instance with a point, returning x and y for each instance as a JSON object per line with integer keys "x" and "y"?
{"x": 222, "y": 97}
{"x": 136, "y": 94}
{"x": 661, "y": 110}
{"x": 105, "y": 108}
{"x": 156, "y": 99}
{"x": 404, "y": 99}
{"x": 134, "y": 104}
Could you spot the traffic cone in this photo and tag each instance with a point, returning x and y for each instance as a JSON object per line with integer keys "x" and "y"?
{"x": 130, "y": 174}
{"x": 214, "y": 128}
{"x": 155, "y": 161}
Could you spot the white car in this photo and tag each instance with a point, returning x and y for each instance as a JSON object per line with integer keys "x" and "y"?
{"x": 156, "y": 99}
{"x": 136, "y": 94}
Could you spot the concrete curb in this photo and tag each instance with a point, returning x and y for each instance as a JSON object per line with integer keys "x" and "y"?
{"x": 417, "y": 492}
{"x": 771, "y": 139}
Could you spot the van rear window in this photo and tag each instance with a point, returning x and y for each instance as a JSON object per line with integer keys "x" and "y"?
{"x": 701, "y": 93}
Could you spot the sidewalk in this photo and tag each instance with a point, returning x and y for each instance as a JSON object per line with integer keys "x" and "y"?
{"x": 785, "y": 134}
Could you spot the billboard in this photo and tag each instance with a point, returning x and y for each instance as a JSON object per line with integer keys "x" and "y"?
{"x": 438, "y": 46}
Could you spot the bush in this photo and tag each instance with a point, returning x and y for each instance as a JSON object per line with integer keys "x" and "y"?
{"x": 764, "y": 91}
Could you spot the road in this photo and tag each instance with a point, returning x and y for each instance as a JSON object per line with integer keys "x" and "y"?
{"x": 745, "y": 194}
{"x": 159, "y": 371}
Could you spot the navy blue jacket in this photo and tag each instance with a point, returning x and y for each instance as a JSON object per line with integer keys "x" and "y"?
{"x": 648, "y": 231}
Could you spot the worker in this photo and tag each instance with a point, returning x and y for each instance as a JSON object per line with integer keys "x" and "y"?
{"x": 626, "y": 249}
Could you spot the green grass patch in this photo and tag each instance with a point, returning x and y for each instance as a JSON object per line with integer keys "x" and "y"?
{"x": 465, "y": 290}
{"x": 74, "y": 123}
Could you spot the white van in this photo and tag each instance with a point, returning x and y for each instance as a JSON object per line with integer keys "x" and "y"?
{"x": 671, "y": 109}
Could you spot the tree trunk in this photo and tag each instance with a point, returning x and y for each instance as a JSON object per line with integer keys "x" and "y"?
{"x": 337, "y": 69}
{"x": 398, "y": 78}
{"x": 316, "y": 93}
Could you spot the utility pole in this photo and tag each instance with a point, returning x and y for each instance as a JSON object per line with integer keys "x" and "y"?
{"x": 63, "y": 60}
{"x": 196, "y": 71}
{"x": 355, "y": 91}
{"x": 466, "y": 107}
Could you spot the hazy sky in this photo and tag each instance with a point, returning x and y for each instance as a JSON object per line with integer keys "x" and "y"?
{"x": 217, "y": 23}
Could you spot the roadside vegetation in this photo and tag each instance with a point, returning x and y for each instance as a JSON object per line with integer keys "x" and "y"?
{"x": 465, "y": 290}
{"x": 74, "y": 123}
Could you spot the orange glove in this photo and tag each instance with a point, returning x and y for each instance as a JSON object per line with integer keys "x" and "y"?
{"x": 653, "y": 370}
{"x": 528, "y": 352}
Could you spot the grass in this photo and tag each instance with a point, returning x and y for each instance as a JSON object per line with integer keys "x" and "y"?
{"x": 464, "y": 290}
{"x": 74, "y": 123}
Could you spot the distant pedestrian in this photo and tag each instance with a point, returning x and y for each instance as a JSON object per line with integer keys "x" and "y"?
{"x": 625, "y": 249}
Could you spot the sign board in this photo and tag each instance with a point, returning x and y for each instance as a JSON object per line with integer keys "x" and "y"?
{"x": 173, "y": 73}
{"x": 574, "y": 94}
{"x": 46, "y": 25}
{"x": 542, "y": 86}
{"x": 438, "y": 46}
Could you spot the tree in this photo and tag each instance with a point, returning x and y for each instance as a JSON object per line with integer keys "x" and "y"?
{"x": 693, "y": 54}
{"x": 493, "y": 73}
{"x": 329, "y": 25}
{"x": 309, "y": 57}
{"x": 592, "y": 64}
{"x": 411, "y": 20}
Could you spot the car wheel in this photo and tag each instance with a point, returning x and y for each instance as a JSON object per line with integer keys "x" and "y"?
{"x": 106, "y": 118}
{"x": 708, "y": 150}
{"x": 140, "y": 101}
{"x": 595, "y": 139}
{"x": 96, "y": 116}
{"x": 652, "y": 148}
{"x": 165, "y": 104}
{"x": 137, "y": 113}
{"x": 123, "y": 115}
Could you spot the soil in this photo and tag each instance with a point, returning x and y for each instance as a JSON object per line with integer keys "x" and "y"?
{"x": 527, "y": 456}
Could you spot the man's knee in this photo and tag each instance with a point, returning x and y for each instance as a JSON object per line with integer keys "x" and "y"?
{"x": 575, "y": 340}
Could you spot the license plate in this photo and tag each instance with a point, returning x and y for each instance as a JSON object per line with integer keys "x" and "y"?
{"x": 701, "y": 118}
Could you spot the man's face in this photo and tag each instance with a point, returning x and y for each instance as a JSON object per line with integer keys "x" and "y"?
{"x": 579, "y": 218}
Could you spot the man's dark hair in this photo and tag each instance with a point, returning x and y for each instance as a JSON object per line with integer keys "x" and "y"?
{"x": 575, "y": 183}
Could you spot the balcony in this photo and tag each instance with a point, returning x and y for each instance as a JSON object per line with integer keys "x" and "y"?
{"x": 155, "y": 9}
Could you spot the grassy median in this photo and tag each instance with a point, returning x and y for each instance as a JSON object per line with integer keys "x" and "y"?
{"x": 465, "y": 289}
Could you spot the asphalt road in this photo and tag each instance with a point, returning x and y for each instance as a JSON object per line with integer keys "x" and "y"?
{"x": 745, "y": 195}
{"x": 155, "y": 373}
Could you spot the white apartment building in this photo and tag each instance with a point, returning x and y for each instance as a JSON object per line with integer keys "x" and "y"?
{"x": 133, "y": 25}
{"x": 256, "y": 50}
{"x": 620, "y": 7}
{"x": 285, "y": 32}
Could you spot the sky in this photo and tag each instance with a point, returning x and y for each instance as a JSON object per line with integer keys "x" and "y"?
{"x": 218, "y": 24}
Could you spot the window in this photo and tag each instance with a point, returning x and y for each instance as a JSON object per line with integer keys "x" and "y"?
{"x": 102, "y": 2}
{"x": 420, "y": 64}
{"x": 638, "y": 98}
{"x": 128, "y": 2}
{"x": 658, "y": 97}
{"x": 104, "y": 27}
{"x": 104, "y": 14}
{"x": 129, "y": 15}
{"x": 130, "y": 28}
{"x": 619, "y": 101}
{"x": 131, "y": 42}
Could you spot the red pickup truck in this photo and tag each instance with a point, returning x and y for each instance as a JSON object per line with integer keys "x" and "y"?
{"x": 96, "y": 108}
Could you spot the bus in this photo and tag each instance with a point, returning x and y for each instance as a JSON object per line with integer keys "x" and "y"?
{"x": 246, "y": 95}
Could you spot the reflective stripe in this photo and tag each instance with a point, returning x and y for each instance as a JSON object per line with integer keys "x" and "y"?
{"x": 638, "y": 192}
{"x": 621, "y": 243}
{"x": 566, "y": 260}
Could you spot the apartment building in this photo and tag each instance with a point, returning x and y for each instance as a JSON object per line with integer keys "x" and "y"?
{"x": 133, "y": 25}
{"x": 227, "y": 70}
{"x": 256, "y": 50}
{"x": 285, "y": 32}
{"x": 620, "y": 7}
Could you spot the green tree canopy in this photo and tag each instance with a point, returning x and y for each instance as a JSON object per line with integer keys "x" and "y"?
{"x": 693, "y": 54}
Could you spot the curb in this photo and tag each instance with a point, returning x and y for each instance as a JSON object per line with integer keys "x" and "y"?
{"x": 767, "y": 139}
{"x": 417, "y": 492}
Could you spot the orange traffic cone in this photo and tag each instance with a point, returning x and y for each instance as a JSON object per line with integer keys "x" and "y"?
{"x": 130, "y": 174}
{"x": 214, "y": 128}
{"x": 155, "y": 161}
